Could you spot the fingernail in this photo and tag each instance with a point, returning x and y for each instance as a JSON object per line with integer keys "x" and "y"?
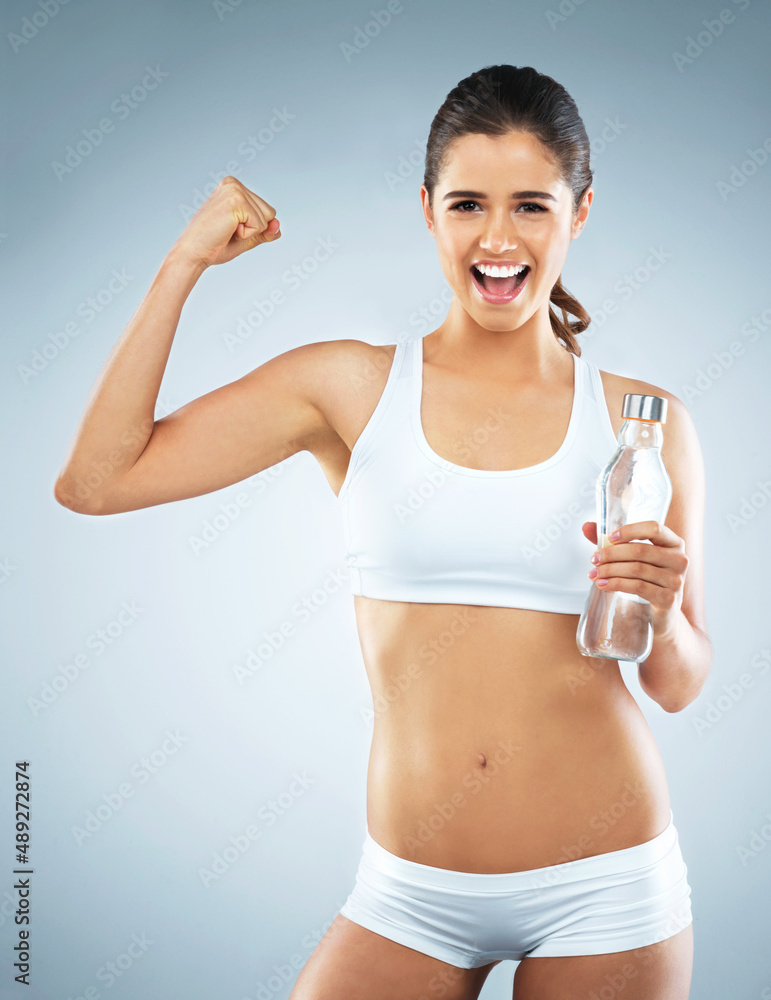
{"x": 596, "y": 557}
{"x": 601, "y": 583}
{"x": 614, "y": 536}
{"x": 593, "y": 572}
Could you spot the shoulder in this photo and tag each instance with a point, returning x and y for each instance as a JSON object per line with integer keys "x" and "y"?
{"x": 335, "y": 370}
{"x": 681, "y": 449}
{"x": 342, "y": 379}
{"x": 325, "y": 365}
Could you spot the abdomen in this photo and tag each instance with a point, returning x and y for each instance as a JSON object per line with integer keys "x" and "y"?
{"x": 497, "y": 746}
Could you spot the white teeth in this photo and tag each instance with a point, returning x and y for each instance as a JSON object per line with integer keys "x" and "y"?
{"x": 493, "y": 271}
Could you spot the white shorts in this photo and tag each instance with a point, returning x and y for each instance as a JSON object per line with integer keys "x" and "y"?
{"x": 604, "y": 903}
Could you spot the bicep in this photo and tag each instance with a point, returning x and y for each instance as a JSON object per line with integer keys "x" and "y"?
{"x": 226, "y": 435}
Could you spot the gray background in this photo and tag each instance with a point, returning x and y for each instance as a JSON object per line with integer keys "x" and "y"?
{"x": 685, "y": 130}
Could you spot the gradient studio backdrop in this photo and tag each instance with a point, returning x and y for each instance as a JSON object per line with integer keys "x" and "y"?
{"x": 121, "y": 634}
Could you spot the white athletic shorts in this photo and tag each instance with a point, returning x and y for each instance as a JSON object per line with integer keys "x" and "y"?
{"x": 604, "y": 903}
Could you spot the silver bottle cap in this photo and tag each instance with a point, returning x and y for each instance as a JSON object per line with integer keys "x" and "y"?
{"x": 642, "y": 407}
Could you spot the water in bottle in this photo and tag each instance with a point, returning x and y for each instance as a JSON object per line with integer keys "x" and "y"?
{"x": 633, "y": 486}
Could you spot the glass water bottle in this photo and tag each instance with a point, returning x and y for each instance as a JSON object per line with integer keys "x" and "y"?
{"x": 633, "y": 486}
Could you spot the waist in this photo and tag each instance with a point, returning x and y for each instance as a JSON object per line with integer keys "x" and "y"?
{"x": 571, "y": 866}
{"x": 473, "y": 659}
{"x": 519, "y": 797}
{"x": 495, "y": 740}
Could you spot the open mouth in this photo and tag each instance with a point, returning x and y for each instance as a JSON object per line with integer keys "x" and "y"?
{"x": 499, "y": 289}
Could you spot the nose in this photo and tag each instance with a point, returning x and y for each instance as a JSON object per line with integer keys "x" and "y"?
{"x": 499, "y": 232}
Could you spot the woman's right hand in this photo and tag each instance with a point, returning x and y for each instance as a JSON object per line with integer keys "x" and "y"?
{"x": 231, "y": 220}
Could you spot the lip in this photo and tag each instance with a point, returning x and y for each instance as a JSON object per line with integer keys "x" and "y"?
{"x": 500, "y": 263}
{"x": 491, "y": 297}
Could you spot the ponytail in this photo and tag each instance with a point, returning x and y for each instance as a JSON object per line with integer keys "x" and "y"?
{"x": 562, "y": 329}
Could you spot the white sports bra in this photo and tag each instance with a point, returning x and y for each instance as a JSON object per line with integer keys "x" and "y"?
{"x": 420, "y": 528}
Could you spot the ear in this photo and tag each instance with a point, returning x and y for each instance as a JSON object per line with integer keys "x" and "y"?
{"x": 428, "y": 215}
{"x": 581, "y": 215}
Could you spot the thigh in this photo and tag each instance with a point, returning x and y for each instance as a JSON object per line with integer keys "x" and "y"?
{"x": 351, "y": 963}
{"x": 660, "y": 971}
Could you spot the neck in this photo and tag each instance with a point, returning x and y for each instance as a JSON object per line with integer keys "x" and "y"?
{"x": 527, "y": 352}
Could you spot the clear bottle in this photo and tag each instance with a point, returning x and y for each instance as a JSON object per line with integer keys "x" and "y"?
{"x": 633, "y": 486}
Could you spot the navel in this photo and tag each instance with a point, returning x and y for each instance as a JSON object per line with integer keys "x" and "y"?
{"x": 482, "y": 760}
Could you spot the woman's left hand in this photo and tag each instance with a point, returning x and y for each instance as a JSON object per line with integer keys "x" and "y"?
{"x": 654, "y": 571}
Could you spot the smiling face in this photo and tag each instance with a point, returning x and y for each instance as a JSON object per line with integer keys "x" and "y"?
{"x": 500, "y": 201}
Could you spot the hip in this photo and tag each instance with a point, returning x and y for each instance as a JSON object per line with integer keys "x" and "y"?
{"x": 612, "y": 902}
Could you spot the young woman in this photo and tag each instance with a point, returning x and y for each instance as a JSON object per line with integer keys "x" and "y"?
{"x": 517, "y": 805}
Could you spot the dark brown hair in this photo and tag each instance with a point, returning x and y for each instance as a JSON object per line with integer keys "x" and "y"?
{"x": 500, "y": 99}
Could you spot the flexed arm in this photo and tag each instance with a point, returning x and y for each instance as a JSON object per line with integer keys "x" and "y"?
{"x": 120, "y": 457}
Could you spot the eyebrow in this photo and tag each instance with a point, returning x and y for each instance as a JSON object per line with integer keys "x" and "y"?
{"x": 516, "y": 194}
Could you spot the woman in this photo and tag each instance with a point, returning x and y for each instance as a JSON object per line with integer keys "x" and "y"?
{"x": 517, "y": 805}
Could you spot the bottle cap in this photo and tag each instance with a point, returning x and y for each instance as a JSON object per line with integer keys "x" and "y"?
{"x": 640, "y": 407}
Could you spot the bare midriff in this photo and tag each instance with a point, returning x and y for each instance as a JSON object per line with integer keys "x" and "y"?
{"x": 497, "y": 746}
